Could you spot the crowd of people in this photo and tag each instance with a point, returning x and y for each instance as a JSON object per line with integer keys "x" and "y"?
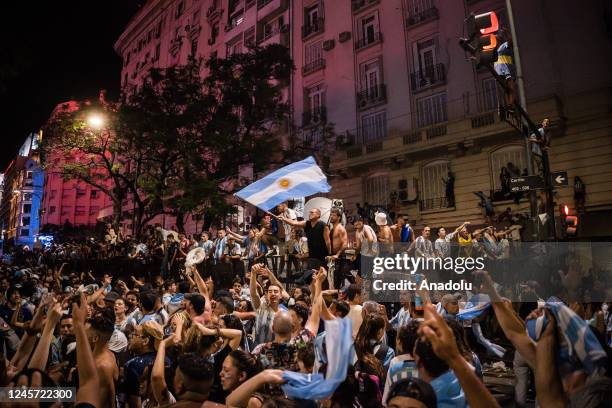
{"x": 277, "y": 316}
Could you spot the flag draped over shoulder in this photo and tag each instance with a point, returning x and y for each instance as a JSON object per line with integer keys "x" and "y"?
{"x": 298, "y": 179}
{"x": 338, "y": 344}
{"x": 474, "y": 307}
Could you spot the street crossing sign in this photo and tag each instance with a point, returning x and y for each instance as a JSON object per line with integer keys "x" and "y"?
{"x": 526, "y": 183}
{"x": 559, "y": 178}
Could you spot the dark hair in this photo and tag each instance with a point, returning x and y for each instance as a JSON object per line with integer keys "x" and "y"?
{"x": 249, "y": 305}
{"x": 414, "y": 388}
{"x": 306, "y": 355}
{"x": 232, "y": 322}
{"x": 12, "y": 290}
{"x": 147, "y": 300}
{"x": 103, "y": 322}
{"x": 301, "y": 312}
{"x": 337, "y": 211}
{"x": 183, "y": 287}
{"x": 407, "y": 336}
{"x": 462, "y": 344}
{"x": 197, "y": 371}
{"x": 132, "y": 292}
{"x": 168, "y": 283}
{"x": 342, "y": 307}
{"x": 352, "y": 291}
{"x": 368, "y": 330}
{"x": 246, "y": 362}
{"x": 64, "y": 317}
{"x": 434, "y": 366}
{"x": 227, "y": 303}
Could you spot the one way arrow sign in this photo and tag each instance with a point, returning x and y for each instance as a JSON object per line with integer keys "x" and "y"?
{"x": 559, "y": 178}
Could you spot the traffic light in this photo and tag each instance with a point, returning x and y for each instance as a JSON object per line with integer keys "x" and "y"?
{"x": 569, "y": 223}
{"x": 482, "y": 41}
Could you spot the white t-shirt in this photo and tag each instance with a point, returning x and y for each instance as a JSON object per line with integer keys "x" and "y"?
{"x": 368, "y": 248}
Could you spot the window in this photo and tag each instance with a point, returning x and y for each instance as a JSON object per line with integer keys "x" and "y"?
{"x": 376, "y": 190}
{"x": 25, "y": 221}
{"x": 371, "y": 78}
{"x": 177, "y": 33}
{"x": 490, "y": 95}
{"x": 369, "y": 31}
{"x": 312, "y": 16}
{"x": 65, "y": 210}
{"x": 374, "y": 127}
{"x": 249, "y": 37}
{"x": 53, "y": 194}
{"x": 431, "y": 110}
{"x": 235, "y": 18}
{"x": 158, "y": 30}
{"x": 52, "y": 209}
{"x": 313, "y": 21}
{"x": 80, "y": 192}
{"x": 157, "y": 52}
{"x": 93, "y": 210}
{"x": 419, "y": 6}
{"x": 79, "y": 210}
{"x": 432, "y": 184}
{"x": 194, "y": 47}
{"x": 514, "y": 154}
{"x": 316, "y": 98}
{"x": 127, "y": 58}
{"x": 426, "y": 56}
{"x": 180, "y": 8}
{"x": 27, "y": 208}
{"x": 214, "y": 32}
{"x": 314, "y": 105}
{"x": 27, "y": 196}
{"x": 94, "y": 194}
{"x": 235, "y": 47}
{"x": 25, "y": 232}
{"x": 313, "y": 52}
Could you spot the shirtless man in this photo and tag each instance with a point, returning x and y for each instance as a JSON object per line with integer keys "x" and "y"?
{"x": 99, "y": 330}
{"x": 339, "y": 243}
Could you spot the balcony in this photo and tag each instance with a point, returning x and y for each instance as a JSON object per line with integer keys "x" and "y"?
{"x": 267, "y": 7}
{"x": 360, "y": 5}
{"x": 278, "y": 35}
{"x": 436, "y": 203}
{"x": 235, "y": 20}
{"x": 372, "y": 96}
{"x": 430, "y": 76}
{"x": 315, "y": 116}
{"x": 213, "y": 13}
{"x": 313, "y": 66}
{"x": 424, "y": 16}
{"x": 373, "y": 38}
{"x": 175, "y": 46}
{"x": 313, "y": 28}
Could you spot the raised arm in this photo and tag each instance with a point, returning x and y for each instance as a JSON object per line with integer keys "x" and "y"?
{"x": 314, "y": 319}
{"x": 511, "y": 324}
{"x": 88, "y": 390}
{"x": 444, "y": 345}
{"x": 158, "y": 378}
{"x": 253, "y": 286}
{"x": 274, "y": 280}
{"x": 550, "y": 389}
{"x": 232, "y": 335}
{"x": 241, "y": 395}
{"x": 293, "y": 223}
{"x": 41, "y": 354}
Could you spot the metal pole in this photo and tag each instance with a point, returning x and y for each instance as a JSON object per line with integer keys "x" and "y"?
{"x": 523, "y": 103}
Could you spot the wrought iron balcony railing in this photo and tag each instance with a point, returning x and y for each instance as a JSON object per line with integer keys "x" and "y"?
{"x": 432, "y": 75}
{"x": 372, "y": 96}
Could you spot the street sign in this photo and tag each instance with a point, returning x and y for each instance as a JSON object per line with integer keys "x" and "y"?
{"x": 525, "y": 183}
{"x": 559, "y": 178}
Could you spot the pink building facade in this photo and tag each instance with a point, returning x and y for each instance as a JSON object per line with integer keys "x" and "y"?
{"x": 405, "y": 104}
{"x": 71, "y": 201}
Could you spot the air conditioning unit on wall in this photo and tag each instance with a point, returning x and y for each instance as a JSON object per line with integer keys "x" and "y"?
{"x": 328, "y": 45}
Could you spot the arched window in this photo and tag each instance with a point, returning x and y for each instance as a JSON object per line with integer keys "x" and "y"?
{"x": 433, "y": 186}
{"x": 501, "y": 157}
{"x": 376, "y": 190}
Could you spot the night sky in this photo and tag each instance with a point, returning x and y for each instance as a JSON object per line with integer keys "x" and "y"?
{"x": 54, "y": 51}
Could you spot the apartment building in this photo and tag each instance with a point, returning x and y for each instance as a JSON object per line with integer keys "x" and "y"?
{"x": 22, "y": 195}
{"x": 405, "y": 105}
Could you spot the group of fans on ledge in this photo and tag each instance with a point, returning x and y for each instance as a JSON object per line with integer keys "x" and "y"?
{"x": 157, "y": 322}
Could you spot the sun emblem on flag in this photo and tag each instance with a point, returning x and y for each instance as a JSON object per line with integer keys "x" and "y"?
{"x": 284, "y": 183}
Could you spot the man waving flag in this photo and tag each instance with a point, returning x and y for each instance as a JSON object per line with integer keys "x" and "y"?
{"x": 298, "y": 179}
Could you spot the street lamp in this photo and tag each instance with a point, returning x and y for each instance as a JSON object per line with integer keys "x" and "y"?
{"x": 95, "y": 121}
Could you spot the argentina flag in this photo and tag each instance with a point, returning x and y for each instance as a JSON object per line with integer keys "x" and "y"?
{"x": 298, "y": 179}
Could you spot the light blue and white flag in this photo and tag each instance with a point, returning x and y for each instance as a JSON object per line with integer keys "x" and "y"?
{"x": 474, "y": 307}
{"x": 338, "y": 344}
{"x": 298, "y": 179}
{"x": 578, "y": 346}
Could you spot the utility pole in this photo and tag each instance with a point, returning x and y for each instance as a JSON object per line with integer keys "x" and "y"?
{"x": 533, "y": 206}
